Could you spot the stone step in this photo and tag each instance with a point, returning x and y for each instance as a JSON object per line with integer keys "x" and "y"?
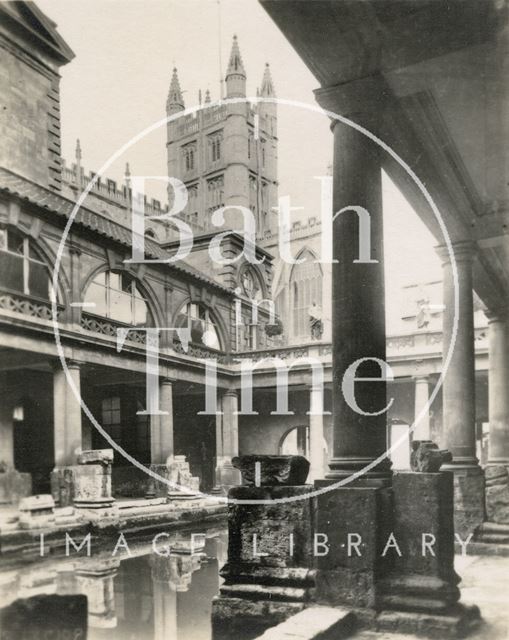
{"x": 314, "y": 623}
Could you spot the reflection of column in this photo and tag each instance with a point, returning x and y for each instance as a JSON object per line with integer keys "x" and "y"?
{"x": 498, "y": 447}
{"x": 161, "y": 426}
{"x": 66, "y": 415}
{"x": 422, "y": 429}
{"x": 165, "y": 600}
{"x": 358, "y": 289}
{"x": 227, "y": 442}
{"x": 316, "y": 432}
{"x": 95, "y": 579}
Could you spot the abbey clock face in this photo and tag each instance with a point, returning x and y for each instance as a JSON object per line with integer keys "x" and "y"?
{"x": 158, "y": 350}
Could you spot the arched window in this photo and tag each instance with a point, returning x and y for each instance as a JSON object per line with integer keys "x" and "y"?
{"x": 21, "y": 266}
{"x": 295, "y": 442}
{"x": 116, "y": 296}
{"x": 198, "y": 319}
{"x": 306, "y": 290}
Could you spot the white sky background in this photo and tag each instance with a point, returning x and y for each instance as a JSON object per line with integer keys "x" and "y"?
{"x": 118, "y": 83}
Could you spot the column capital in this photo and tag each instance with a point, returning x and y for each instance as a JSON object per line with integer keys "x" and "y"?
{"x": 230, "y": 392}
{"x": 421, "y": 377}
{"x": 497, "y": 314}
{"x": 363, "y": 101}
{"x": 463, "y": 250}
{"x": 166, "y": 380}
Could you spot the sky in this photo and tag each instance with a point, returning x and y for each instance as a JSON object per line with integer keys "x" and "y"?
{"x": 118, "y": 83}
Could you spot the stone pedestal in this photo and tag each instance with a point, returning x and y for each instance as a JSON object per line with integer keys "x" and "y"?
{"x": 421, "y": 593}
{"x": 227, "y": 475}
{"x": 92, "y": 484}
{"x": 349, "y": 516}
{"x": 267, "y": 577}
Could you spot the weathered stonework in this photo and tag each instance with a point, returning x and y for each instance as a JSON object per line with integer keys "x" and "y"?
{"x": 427, "y": 457}
{"x": 273, "y": 470}
{"x": 469, "y": 507}
{"x": 267, "y": 578}
{"x": 497, "y": 494}
{"x": 422, "y": 580}
{"x": 185, "y": 486}
{"x": 36, "y": 512}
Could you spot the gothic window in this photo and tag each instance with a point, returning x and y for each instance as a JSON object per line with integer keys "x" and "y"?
{"x": 250, "y": 282}
{"x": 22, "y": 269}
{"x": 116, "y": 296}
{"x": 215, "y": 144}
{"x": 189, "y": 152}
{"x": 306, "y": 290}
{"x": 198, "y": 319}
{"x": 215, "y": 193}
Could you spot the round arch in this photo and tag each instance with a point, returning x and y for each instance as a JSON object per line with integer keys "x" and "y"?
{"x": 145, "y": 289}
{"x": 216, "y": 318}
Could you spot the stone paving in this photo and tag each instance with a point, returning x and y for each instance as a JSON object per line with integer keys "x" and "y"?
{"x": 485, "y": 582}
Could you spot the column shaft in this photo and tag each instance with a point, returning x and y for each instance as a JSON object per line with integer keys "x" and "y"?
{"x": 66, "y": 416}
{"x": 316, "y": 433}
{"x": 459, "y": 381}
{"x": 422, "y": 429}
{"x": 498, "y": 444}
{"x": 358, "y": 288}
{"x": 166, "y": 420}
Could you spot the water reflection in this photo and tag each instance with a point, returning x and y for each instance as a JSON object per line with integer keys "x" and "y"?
{"x": 144, "y": 597}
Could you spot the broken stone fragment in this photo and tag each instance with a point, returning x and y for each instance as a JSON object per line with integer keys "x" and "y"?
{"x": 96, "y": 456}
{"x": 426, "y": 457}
{"x": 269, "y": 471}
{"x": 36, "y": 511}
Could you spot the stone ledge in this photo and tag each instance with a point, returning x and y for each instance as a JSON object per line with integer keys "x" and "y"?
{"x": 314, "y": 623}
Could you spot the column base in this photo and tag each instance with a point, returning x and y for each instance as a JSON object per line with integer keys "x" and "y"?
{"x": 346, "y": 467}
{"x": 227, "y": 476}
{"x": 469, "y": 507}
{"x": 497, "y": 493}
{"x": 184, "y": 485}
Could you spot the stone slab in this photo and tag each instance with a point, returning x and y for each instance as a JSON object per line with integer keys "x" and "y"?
{"x": 96, "y": 456}
{"x": 314, "y": 623}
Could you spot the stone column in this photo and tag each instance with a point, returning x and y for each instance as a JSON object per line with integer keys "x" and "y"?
{"x": 66, "y": 415}
{"x": 422, "y": 429}
{"x": 161, "y": 426}
{"x": 316, "y": 433}
{"x": 358, "y": 288}
{"x": 227, "y": 442}
{"x": 161, "y": 439}
{"x": 67, "y": 432}
{"x": 497, "y": 476}
{"x": 498, "y": 444}
{"x": 458, "y": 391}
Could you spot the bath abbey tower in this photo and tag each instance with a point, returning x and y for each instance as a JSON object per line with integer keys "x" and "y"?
{"x": 226, "y": 154}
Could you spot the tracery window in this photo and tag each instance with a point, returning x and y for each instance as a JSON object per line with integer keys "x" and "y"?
{"x": 215, "y": 193}
{"x": 306, "y": 290}
{"x": 215, "y": 144}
